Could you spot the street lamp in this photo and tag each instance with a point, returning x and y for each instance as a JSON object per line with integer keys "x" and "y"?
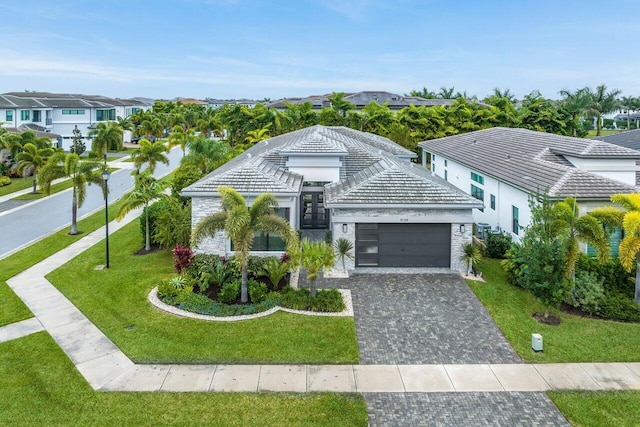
{"x": 105, "y": 177}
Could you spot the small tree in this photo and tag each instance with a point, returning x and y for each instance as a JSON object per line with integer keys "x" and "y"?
{"x": 470, "y": 255}
{"x": 77, "y": 142}
{"x": 315, "y": 256}
{"x": 343, "y": 248}
{"x": 33, "y": 159}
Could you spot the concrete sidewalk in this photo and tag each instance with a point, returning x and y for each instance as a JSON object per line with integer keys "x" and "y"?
{"x": 105, "y": 367}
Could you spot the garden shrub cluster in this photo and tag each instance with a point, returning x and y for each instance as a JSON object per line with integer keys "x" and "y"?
{"x": 497, "y": 245}
{"x": 210, "y": 284}
{"x": 4, "y": 180}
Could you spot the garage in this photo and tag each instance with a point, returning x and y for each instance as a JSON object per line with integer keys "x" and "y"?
{"x": 403, "y": 245}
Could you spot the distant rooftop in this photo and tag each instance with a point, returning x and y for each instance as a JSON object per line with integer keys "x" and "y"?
{"x": 62, "y": 100}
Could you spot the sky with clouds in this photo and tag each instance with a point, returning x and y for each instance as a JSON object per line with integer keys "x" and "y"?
{"x": 285, "y": 48}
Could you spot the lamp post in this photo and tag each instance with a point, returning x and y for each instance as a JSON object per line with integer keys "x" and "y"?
{"x": 105, "y": 177}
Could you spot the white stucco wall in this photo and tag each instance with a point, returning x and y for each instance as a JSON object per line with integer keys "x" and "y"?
{"x": 623, "y": 170}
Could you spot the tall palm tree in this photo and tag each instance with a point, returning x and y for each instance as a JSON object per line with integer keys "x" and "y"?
{"x": 106, "y": 136}
{"x": 315, "y": 256}
{"x": 180, "y": 136}
{"x": 424, "y": 93}
{"x": 239, "y": 223}
{"x": 446, "y": 93}
{"x": 206, "y": 154}
{"x": 339, "y": 104}
{"x": 255, "y": 136}
{"x": 151, "y": 153}
{"x": 32, "y": 158}
{"x": 601, "y": 102}
{"x": 575, "y": 103}
{"x": 629, "y": 221}
{"x": 61, "y": 165}
{"x": 498, "y": 93}
{"x": 151, "y": 127}
{"x": 628, "y": 103}
{"x": 125, "y": 123}
{"x": 146, "y": 189}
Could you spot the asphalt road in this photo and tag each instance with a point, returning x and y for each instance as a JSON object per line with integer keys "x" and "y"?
{"x": 30, "y": 223}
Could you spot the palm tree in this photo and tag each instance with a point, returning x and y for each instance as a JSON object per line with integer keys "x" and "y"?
{"x": 629, "y": 221}
{"x": 504, "y": 94}
{"x": 343, "y": 248}
{"x": 151, "y": 127}
{"x": 180, "y": 136}
{"x": 239, "y": 224}
{"x": 206, "y": 154}
{"x": 255, "y": 136}
{"x": 315, "y": 256}
{"x": 424, "y": 93}
{"x": 339, "y": 104}
{"x": 152, "y": 153}
{"x": 61, "y": 165}
{"x": 600, "y": 103}
{"x": 32, "y": 158}
{"x": 470, "y": 255}
{"x": 146, "y": 189}
{"x": 106, "y": 136}
{"x": 125, "y": 123}
{"x": 628, "y": 103}
{"x": 575, "y": 103}
{"x": 446, "y": 93}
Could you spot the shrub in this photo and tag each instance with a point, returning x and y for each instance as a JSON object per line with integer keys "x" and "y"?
{"x": 172, "y": 224}
{"x": 616, "y": 278}
{"x": 183, "y": 177}
{"x": 275, "y": 270}
{"x": 257, "y": 291}
{"x": 329, "y": 300}
{"x": 326, "y": 300}
{"x": 216, "y": 274}
{"x": 154, "y": 210}
{"x": 618, "y": 306}
{"x": 178, "y": 283}
{"x": 4, "y": 180}
{"x": 182, "y": 256}
{"x": 587, "y": 292}
{"x": 229, "y": 293}
{"x": 497, "y": 244}
{"x": 166, "y": 289}
{"x": 196, "y": 303}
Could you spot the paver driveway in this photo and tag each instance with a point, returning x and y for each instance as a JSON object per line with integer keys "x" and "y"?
{"x": 423, "y": 319}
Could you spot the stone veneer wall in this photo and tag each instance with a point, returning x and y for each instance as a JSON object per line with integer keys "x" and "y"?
{"x": 350, "y": 217}
{"x": 201, "y": 207}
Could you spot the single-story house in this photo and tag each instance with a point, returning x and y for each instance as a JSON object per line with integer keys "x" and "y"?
{"x": 504, "y": 167}
{"x": 358, "y": 185}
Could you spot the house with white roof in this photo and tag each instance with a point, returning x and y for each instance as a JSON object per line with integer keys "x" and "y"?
{"x": 360, "y": 186}
{"x": 61, "y": 113}
{"x": 504, "y": 167}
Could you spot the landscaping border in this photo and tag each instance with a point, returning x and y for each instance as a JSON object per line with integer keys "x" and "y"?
{"x": 155, "y": 301}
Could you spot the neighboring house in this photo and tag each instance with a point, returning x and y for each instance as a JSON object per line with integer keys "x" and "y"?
{"x": 217, "y": 103}
{"x": 628, "y": 139}
{"x": 361, "y": 186}
{"x": 503, "y": 167}
{"x": 60, "y": 113}
{"x": 362, "y": 99}
{"x": 5, "y": 155}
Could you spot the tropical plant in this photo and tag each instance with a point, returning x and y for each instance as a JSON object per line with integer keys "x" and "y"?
{"x": 180, "y": 137}
{"x": 239, "y": 222}
{"x": 151, "y": 153}
{"x": 601, "y": 102}
{"x": 315, "y": 256}
{"x": 575, "y": 104}
{"x": 275, "y": 271}
{"x": 172, "y": 223}
{"x": 106, "y": 136}
{"x": 255, "y": 136}
{"x": 446, "y": 93}
{"x": 339, "y": 104}
{"x": 471, "y": 255}
{"x": 216, "y": 273}
{"x": 81, "y": 173}
{"x": 206, "y": 154}
{"x": 32, "y": 159}
{"x": 343, "y": 247}
{"x": 146, "y": 189}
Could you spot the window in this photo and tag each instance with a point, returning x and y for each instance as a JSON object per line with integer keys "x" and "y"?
{"x": 73, "y": 112}
{"x": 446, "y": 175}
{"x": 477, "y": 192}
{"x": 515, "y": 226}
{"x": 9, "y": 115}
{"x": 269, "y": 242}
{"x": 37, "y": 116}
{"x": 493, "y": 202}
{"x": 25, "y": 115}
{"x": 103, "y": 115}
{"x": 433, "y": 167}
{"x": 477, "y": 178}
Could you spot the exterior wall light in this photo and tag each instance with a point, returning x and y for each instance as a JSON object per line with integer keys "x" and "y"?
{"x": 462, "y": 228}
{"x": 344, "y": 228}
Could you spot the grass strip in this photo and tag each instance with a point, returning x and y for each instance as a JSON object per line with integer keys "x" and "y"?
{"x": 576, "y": 339}
{"x": 40, "y": 386}
{"x": 599, "y": 408}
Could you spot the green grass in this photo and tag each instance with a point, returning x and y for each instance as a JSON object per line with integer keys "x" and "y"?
{"x": 596, "y": 409}
{"x": 41, "y": 387}
{"x": 17, "y": 184}
{"x": 603, "y": 132}
{"x": 116, "y": 299}
{"x": 577, "y": 339}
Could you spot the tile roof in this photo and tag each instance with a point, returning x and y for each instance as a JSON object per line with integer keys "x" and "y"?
{"x": 61, "y": 100}
{"x": 533, "y": 160}
{"x": 372, "y": 173}
{"x": 629, "y": 139}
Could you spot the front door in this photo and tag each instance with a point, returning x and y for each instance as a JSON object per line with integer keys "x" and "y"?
{"x": 312, "y": 210}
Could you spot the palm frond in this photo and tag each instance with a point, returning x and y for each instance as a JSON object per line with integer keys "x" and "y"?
{"x": 231, "y": 198}
{"x": 263, "y": 205}
{"x": 629, "y": 247}
{"x": 208, "y": 227}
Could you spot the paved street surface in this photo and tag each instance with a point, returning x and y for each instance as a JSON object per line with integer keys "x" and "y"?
{"x": 30, "y": 223}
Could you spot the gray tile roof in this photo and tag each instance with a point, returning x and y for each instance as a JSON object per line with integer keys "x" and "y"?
{"x": 36, "y": 100}
{"x": 629, "y": 139}
{"x": 372, "y": 172}
{"x": 533, "y": 160}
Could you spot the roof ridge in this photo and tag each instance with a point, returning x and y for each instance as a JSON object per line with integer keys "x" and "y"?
{"x": 559, "y": 183}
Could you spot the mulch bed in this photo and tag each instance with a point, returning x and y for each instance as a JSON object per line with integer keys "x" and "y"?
{"x": 551, "y": 319}
{"x": 143, "y": 251}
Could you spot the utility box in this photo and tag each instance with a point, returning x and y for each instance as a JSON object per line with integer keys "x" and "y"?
{"x": 536, "y": 342}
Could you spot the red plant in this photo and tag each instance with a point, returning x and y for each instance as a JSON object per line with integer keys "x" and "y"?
{"x": 183, "y": 257}
{"x": 285, "y": 258}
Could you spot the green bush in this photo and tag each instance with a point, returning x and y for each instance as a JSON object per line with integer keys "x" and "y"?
{"x": 200, "y": 260}
{"x": 198, "y": 303}
{"x": 497, "y": 245}
{"x": 326, "y": 300}
{"x": 275, "y": 271}
{"x": 616, "y": 278}
{"x": 216, "y": 274}
{"x": 154, "y": 211}
{"x": 229, "y": 293}
{"x": 166, "y": 289}
{"x": 183, "y": 177}
{"x": 616, "y": 306}
{"x": 172, "y": 224}
{"x": 587, "y": 292}
{"x": 4, "y": 180}
{"x": 257, "y": 291}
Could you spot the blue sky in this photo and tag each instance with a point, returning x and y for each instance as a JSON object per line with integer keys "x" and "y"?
{"x": 279, "y": 48}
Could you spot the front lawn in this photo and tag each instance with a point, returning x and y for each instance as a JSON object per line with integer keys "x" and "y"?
{"x": 577, "y": 339}
{"x": 116, "y": 301}
{"x": 599, "y": 408}
{"x": 41, "y": 387}
{"x": 17, "y": 184}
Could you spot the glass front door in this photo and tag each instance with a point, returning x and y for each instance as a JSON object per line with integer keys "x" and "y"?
{"x": 312, "y": 210}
